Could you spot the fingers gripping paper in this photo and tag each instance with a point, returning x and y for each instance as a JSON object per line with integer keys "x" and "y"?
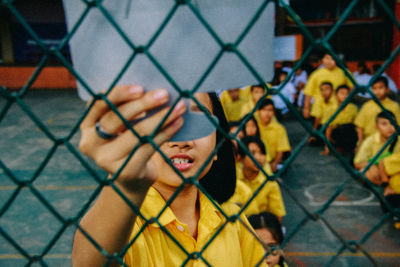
{"x": 184, "y": 48}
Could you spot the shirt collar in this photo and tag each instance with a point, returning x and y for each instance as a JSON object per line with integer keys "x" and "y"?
{"x": 154, "y": 203}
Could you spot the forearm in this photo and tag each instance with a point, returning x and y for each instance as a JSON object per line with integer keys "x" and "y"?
{"x": 360, "y": 135}
{"x": 307, "y": 103}
{"x": 109, "y": 222}
{"x": 278, "y": 158}
{"x": 361, "y": 165}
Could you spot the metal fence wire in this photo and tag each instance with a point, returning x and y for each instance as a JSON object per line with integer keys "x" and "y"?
{"x": 17, "y": 98}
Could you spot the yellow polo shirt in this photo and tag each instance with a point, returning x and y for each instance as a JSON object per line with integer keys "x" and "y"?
{"x": 269, "y": 198}
{"x": 346, "y": 115}
{"x": 242, "y": 195}
{"x": 392, "y": 168}
{"x": 335, "y": 76}
{"x": 243, "y": 93}
{"x": 370, "y": 147}
{"x": 275, "y": 138}
{"x": 233, "y": 109}
{"x": 320, "y": 107}
{"x": 233, "y": 246}
{"x": 366, "y": 118}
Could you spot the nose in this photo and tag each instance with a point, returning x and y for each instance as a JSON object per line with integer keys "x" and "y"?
{"x": 181, "y": 145}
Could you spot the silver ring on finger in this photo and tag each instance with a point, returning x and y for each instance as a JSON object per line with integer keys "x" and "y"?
{"x": 103, "y": 133}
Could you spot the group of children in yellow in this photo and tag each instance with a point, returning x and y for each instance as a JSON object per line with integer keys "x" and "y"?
{"x": 191, "y": 229}
{"x": 357, "y": 127}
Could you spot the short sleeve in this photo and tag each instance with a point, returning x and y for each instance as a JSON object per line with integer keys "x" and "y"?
{"x": 392, "y": 164}
{"x": 275, "y": 200}
{"x": 359, "y": 121}
{"x": 283, "y": 142}
{"x": 365, "y": 151}
{"x": 311, "y": 84}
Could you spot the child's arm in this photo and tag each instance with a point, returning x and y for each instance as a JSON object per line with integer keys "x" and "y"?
{"x": 307, "y": 104}
{"x": 360, "y": 135}
{"x": 110, "y": 220}
{"x": 276, "y": 161}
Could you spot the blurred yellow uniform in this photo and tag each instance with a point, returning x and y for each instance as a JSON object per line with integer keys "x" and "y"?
{"x": 270, "y": 197}
{"x": 392, "y": 168}
{"x": 275, "y": 138}
{"x": 346, "y": 115}
{"x": 233, "y": 246}
{"x": 366, "y": 118}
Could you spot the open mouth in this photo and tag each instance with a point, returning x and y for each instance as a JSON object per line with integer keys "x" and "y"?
{"x": 182, "y": 162}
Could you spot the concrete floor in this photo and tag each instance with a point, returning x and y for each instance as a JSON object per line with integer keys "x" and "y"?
{"x": 67, "y": 186}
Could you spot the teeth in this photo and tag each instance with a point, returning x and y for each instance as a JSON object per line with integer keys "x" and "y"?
{"x": 179, "y": 161}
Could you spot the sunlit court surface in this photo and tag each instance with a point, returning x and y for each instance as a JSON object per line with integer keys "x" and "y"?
{"x": 310, "y": 93}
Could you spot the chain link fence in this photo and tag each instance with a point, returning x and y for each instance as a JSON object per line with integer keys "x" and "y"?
{"x": 16, "y": 98}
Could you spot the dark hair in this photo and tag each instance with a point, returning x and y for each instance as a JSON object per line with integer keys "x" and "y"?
{"x": 386, "y": 114}
{"x": 269, "y": 221}
{"x": 257, "y": 85}
{"x": 326, "y": 83}
{"x": 220, "y": 181}
{"x": 255, "y": 121}
{"x": 364, "y": 68}
{"x": 382, "y": 79}
{"x": 251, "y": 139}
{"x": 266, "y": 102}
{"x": 233, "y": 124}
{"x": 341, "y": 87}
{"x": 376, "y": 67}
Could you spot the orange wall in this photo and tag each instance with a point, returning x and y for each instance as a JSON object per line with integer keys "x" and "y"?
{"x": 49, "y": 78}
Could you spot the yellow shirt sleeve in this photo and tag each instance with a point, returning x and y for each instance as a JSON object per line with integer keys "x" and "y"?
{"x": 392, "y": 168}
{"x": 275, "y": 200}
{"x": 312, "y": 84}
{"x": 283, "y": 141}
{"x": 316, "y": 109}
{"x": 392, "y": 164}
{"x": 365, "y": 152}
{"x": 360, "y": 120}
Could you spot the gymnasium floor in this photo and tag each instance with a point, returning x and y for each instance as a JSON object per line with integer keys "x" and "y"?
{"x": 67, "y": 186}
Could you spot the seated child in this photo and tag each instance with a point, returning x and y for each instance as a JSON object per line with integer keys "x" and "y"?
{"x": 364, "y": 120}
{"x": 256, "y": 92}
{"x": 373, "y": 144}
{"x": 273, "y": 134}
{"x": 270, "y": 197}
{"x": 233, "y": 127}
{"x": 233, "y": 106}
{"x": 288, "y": 91}
{"x": 321, "y": 103}
{"x": 269, "y": 230}
{"x": 341, "y": 131}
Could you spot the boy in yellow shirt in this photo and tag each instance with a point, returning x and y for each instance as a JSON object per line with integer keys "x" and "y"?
{"x": 364, "y": 120}
{"x": 270, "y": 197}
{"x": 233, "y": 105}
{"x": 341, "y": 131}
{"x": 330, "y": 72}
{"x": 371, "y": 146}
{"x": 273, "y": 134}
{"x": 323, "y": 102}
{"x": 256, "y": 92}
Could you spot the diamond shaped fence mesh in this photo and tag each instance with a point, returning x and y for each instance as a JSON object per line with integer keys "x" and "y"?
{"x": 21, "y": 183}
